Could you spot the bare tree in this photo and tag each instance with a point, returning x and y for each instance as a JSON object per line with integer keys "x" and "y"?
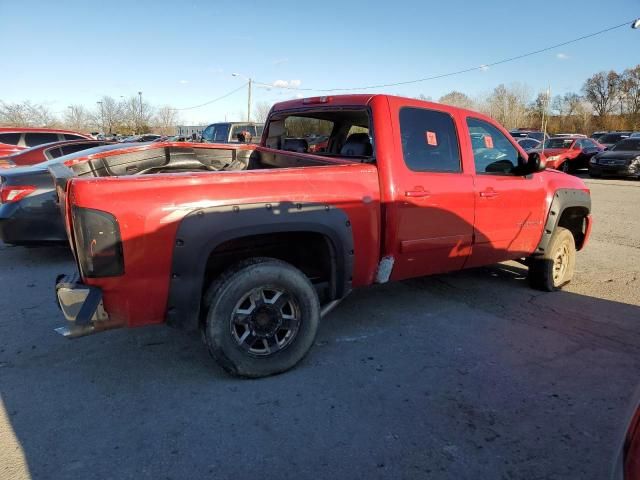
{"x": 630, "y": 88}
{"x": 458, "y": 99}
{"x": 261, "y": 111}
{"x": 165, "y": 120}
{"x": 109, "y": 114}
{"x": 601, "y": 90}
{"x": 508, "y": 105}
{"x": 567, "y": 104}
{"x": 136, "y": 115}
{"x": 26, "y": 114}
{"x": 78, "y": 118}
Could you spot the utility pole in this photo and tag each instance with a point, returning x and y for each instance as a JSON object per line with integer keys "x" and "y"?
{"x": 101, "y": 116}
{"x": 250, "y": 82}
{"x": 547, "y": 99}
{"x": 140, "y": 117}
{"x": 249, "y": 103}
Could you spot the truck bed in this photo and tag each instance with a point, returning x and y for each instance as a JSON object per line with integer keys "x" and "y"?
{"x": 154, "y": 193}
{"x": 172, "y": 158}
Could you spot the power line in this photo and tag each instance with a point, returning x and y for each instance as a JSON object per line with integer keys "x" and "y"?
{"x": 458, "y": 72}
{"x": 215, "y": 99}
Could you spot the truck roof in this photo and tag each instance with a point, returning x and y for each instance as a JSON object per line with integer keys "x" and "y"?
{"x": 361, "y": 99}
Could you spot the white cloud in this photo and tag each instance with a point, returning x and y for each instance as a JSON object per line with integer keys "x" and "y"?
{"x": 287, "y": 83}
{"x": 484, "y": 68}
{"x": 280, "y": 61}
{"x": 183, "y": 82}
{"x": 562, "y": 56}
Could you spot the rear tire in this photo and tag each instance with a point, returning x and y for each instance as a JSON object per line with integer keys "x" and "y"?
{"x": 555, "y": 268}
{"x": 566, "y": 167}
{"x": 262, "y": 317}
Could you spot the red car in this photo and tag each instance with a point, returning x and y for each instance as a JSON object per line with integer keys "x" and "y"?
{"x": 47, "y": 151}
{"x": 14, "y": 139}
{"x": 252, "y": 244}
{"x": 568, "y": 153}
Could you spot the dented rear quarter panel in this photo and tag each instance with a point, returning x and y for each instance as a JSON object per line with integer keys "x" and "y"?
{"x": 149, "y": 210}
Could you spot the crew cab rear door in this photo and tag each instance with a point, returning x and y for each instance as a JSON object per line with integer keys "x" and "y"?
{"x": 510, "y": 207}
{"x": 429, "y": 214}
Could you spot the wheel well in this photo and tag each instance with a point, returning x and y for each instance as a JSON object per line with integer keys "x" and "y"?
{"x": 312, "y": 253}
{"x": 573, "y": 219}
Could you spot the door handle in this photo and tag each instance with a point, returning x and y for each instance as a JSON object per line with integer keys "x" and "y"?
{"x": 418, "y": 192}
{"x": 489, "y": 194}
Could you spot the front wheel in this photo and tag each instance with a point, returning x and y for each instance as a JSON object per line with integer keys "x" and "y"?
{"x": 262, "y": 317}
{"x": 555, "y": 268}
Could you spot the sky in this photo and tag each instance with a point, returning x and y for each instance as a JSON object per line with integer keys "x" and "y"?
{"x": 182, "y": 53}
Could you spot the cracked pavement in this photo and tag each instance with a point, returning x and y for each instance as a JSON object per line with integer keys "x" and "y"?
{"x": 469, "y": 375}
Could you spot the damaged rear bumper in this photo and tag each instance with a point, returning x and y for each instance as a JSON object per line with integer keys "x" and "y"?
{"x": 81, "y": 306}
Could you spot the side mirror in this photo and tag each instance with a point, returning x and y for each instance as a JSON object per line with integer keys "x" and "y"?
{"x": 535, "y": 163}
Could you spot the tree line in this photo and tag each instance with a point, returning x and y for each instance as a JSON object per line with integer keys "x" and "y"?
{"x": 607, "y": 101}
{"x": 126, "y": 116}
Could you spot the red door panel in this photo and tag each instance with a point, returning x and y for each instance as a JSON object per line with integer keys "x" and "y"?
{"x": 435, "y": 232}
{"x": 429, "y": 211}
{"x": 510, "y": 208}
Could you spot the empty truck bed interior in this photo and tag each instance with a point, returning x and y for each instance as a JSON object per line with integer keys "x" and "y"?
{"x": 173, "y": 159}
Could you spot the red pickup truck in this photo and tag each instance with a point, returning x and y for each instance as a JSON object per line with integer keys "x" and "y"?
{"x": 252, "y": 244}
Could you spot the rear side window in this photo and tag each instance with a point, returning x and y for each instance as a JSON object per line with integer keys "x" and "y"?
{"x": 70, "y": 136}
{"x": 33, "y": 139}
{"x": 429, "y": 140}
{"x": 10, "y": 138}
{"x": 76, "y": 147}
{"x": 493, "y": 153}
{"x": 54, "y": 152}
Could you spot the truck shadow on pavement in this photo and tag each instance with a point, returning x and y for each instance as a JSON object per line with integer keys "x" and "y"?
{"x": 465, "y": 375}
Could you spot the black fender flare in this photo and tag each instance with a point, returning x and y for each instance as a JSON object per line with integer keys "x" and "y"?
{"x": 562, "y": 199}
{"x": 203, "y": 230}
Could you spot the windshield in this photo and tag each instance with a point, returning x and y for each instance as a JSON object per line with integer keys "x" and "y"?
{"x": 216, "y": 133}
{"x": 628, "y": 145}
{"x": 559, "y": 143}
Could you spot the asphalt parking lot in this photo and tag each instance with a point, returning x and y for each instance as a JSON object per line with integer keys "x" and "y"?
{"x": 469, "y": 375}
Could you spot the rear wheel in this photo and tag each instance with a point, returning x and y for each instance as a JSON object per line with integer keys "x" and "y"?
{"x": 262, "y": 317}
{"x": 556, "y": 267}
{"x": 566, "y": 167}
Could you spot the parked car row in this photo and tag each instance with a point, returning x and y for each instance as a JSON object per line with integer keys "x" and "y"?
{"x": 604, "y": 153}
{"x": 568, "y": 153}
{"x": 14, "y": 139}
